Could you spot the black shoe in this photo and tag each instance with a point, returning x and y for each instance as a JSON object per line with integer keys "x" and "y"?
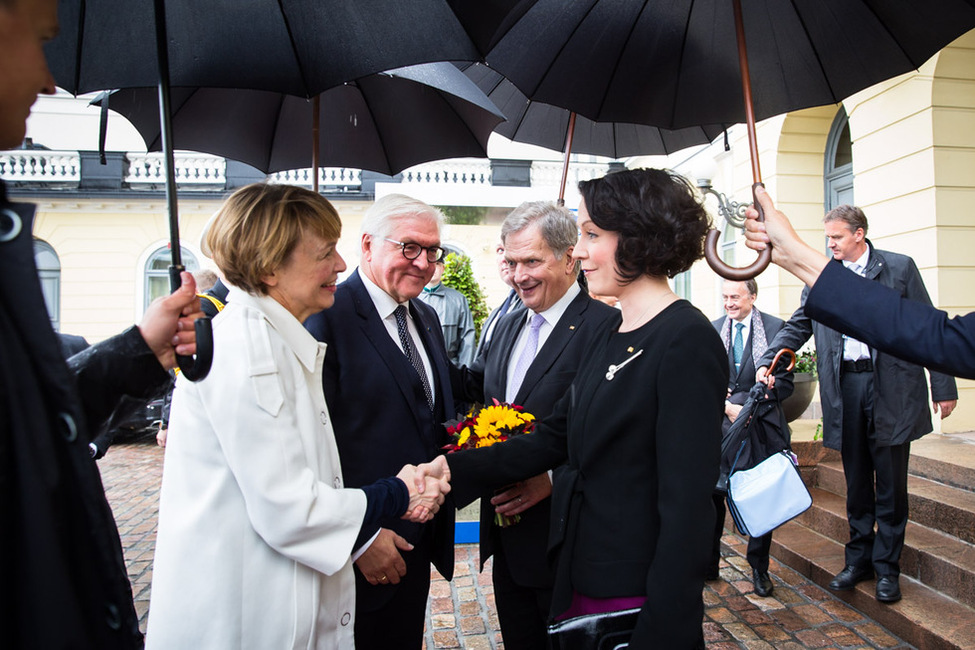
{"x": 849, "y": 577}
{"x": 888, "y": 589}
{"x": 712, "y": 574}
{"x": 763, "y": 584}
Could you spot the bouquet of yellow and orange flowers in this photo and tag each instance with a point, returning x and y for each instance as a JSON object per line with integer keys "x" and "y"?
{"x": 485, "y": 425}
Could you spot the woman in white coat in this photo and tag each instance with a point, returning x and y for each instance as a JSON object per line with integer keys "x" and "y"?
{"x": 255, "y": 526}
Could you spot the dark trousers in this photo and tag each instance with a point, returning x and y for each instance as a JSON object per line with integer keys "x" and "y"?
{"x": 866, "y": 464}
{"x": 398, "y": 621}
{"x": 758, "y": 547}
{"x": 523, "y": 612}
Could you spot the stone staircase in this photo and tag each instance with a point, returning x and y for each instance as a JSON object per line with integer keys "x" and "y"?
{"x": 938, "y": 562}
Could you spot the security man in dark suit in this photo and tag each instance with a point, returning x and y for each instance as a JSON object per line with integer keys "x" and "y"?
{"x": 387, "y": 385}
{"x": 530, "y": 360}
{"x": 874, "y": 405}
{"x": 745, "y": 332}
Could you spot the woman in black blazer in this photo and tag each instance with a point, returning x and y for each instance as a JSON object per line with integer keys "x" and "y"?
{"x": 640, "y": 427}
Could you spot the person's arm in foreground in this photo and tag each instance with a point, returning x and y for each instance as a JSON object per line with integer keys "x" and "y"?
{"x": 135, "y": 362}
{"x": 866, "y": 310}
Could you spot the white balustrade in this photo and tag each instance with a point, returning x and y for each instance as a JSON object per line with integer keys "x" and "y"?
{"x": 462, "y": 172}
{"x": 40, "y": 166}
{"x": 192, "y": 169}
{"x": 205, "y": 172}
{"x": 341, "y": 179}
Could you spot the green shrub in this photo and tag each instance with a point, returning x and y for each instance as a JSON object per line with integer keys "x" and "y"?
{"x": 806, "y": 362}
{"x": 458, "y": 275}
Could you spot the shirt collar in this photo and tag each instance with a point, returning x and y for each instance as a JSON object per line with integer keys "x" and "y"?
{"x": 862, "y": 261}
{"x": 554, "y": 313}
{"x": 301, "y": 342}
{"x": 385, "y": 304}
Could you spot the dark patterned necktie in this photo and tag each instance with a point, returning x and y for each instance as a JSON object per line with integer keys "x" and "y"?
{"x": 411, "y": 352}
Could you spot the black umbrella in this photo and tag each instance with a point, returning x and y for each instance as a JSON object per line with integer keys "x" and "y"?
{"x": 299, "y": 47}
{"x": 296, "y": 46}
{"x": 383, "y": 122}
{"x": 681, "y": 63}
{"x": 562, "y": 130}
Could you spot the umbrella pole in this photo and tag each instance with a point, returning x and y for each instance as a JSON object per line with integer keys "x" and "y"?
{"x": 746, "y": 91}
{"x": 711, "y": 242}
{"x": 165, "y": 123}
{"x": 198, "y": 368}
{"x": 315, "y": 129}
{"x": 570, "y": 132}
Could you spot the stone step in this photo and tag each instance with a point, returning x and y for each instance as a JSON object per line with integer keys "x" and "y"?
{"x": 935, "y": 559}
{"x": 924, "y": 618}
{"x": 948, "y": 459}
{"x": 938, "y": 506}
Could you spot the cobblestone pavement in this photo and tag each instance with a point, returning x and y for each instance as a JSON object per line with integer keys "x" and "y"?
{"x": 461, "y": 614}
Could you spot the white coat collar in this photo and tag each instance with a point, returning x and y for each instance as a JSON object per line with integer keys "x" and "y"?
{"x": 294, "y": 334}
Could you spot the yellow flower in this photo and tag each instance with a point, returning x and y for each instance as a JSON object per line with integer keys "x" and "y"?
{"x": 464, "y": 435}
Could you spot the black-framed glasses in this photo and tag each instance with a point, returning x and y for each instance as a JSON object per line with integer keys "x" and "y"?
{"x": 412, "y": 251}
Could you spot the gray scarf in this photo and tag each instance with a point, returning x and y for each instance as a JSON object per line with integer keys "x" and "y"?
{"x": 759, "y": 340}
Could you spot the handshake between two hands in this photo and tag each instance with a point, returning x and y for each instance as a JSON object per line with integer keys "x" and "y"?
{"x": 428, "y": 484}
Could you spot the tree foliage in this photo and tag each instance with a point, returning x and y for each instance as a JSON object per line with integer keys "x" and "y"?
{"x": 458, "y": 275}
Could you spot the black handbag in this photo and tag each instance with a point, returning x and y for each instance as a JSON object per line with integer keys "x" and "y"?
{"x": 606, "y": 631}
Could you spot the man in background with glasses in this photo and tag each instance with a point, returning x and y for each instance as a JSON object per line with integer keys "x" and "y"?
{"x": 387, "y": 385}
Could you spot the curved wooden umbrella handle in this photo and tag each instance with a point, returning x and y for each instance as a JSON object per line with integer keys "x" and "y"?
{"x": 778, "y": 355}
{"x": 730, "y": 272}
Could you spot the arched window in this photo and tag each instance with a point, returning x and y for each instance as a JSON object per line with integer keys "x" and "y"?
{"x": 49, "y": 271}
{"x": 838, "y": 166}
{"x": 157, "y": 272}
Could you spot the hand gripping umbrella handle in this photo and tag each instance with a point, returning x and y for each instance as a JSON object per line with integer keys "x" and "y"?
{"x": 197, "y": 368}
{"x": 778, "y": 355}
{"x": 729, "y": 272}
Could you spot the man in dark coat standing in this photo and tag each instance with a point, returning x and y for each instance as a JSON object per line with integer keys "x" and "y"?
{"x": 538, "y": 241}
{"x": 62, "y": 564}
{"x": 745, "y": 332}
{"x": 874, "y": 405}
{"x": 387, "y": 386}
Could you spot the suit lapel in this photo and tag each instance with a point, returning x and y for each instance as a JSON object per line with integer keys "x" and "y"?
{"x": 502, "y": 342}
{"x": 375, "y": 332}
{"x": 559, "y": 338}
{"x": 437, "y": 354}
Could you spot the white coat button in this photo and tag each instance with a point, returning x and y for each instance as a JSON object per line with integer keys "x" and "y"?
{"x": 324, "y": 417}
{"x": 346, "y": 617}
{"x": 337, "y": 482}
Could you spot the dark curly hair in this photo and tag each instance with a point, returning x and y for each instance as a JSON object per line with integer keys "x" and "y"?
{"x": 660, "y": 221}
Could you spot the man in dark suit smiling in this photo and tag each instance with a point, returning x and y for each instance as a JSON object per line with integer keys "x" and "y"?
{"x": 530, "y": 360}
{"x": 388, "y": 390}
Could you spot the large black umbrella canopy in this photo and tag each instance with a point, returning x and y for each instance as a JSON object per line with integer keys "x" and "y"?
{"x": 382, "y": 122}
{"x": 562, "y": 130}
{"x": 547, "y": 126}
{"x": 675, "y": 64}
{"x": 300, "y": 47}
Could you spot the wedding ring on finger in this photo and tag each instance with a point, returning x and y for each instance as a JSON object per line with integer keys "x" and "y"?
{"x": 383, "y": 579}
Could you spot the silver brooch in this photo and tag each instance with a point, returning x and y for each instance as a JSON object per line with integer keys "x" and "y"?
{"x": 614, "y": 368}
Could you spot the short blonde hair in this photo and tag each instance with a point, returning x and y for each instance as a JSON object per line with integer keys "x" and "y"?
{"x": 259, "y": 226}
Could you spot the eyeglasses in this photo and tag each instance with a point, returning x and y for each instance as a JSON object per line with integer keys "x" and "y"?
{"x": 412, "y": 251}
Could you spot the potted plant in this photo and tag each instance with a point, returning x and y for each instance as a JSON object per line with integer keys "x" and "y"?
{"x": 805, "y": 386}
